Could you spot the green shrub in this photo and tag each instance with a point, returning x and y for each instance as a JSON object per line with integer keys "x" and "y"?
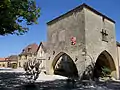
{"x": 105, "y": 71}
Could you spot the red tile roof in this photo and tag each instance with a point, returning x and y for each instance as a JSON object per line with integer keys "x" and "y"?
{"x": 3, "y": 59}
{"x": 32, "y": 48}
{"x": 12, "y": 58}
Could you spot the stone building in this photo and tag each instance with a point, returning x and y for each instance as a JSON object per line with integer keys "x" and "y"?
{"x": 3, "y": 62}
{"x": 41, "y": 55}
{"x": 118, "y": 51}
{"x": 118, "y": 55}
{"x": 78, "y": 38}
{"x": 27, "y": 53}
{"x": 12, "y": 61}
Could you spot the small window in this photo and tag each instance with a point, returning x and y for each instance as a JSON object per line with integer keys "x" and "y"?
{"x": 104, "y": 36}
{"x": 19, "y": 64}
{"x": 20, "y": 57}
{"x": 3, "y": 65}
{"x": 25, "y": 56}
{"x": 29, "y": 49}
{"x": 23, "y": 50}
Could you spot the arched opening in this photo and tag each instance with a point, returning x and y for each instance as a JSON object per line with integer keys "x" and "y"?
{"x": 64, "y": 65}
{"x": 104, "y": 65}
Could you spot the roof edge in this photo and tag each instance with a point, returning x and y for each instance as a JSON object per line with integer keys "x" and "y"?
{"x": 99, "y": 13}
{"x": 81, "y": 6}
{"x": 38, "y": 47}
{"x": 118, "y": 44}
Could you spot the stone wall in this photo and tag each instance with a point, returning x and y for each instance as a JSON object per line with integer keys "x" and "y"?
{"x": 94, "y": 24}
{"x": 59, "y": 38}
{"x": 86, "y": 25}
{"x": 118, "y": 57}
{"x": 3, "y": 64}
{"x": 41, "y": 56}
{"x": 24, "y": 58}
{"x": 118, "y": 50}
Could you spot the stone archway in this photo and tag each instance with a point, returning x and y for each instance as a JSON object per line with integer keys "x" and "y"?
{"x": 64, "y": 65}
{"x": 104, "y": 60}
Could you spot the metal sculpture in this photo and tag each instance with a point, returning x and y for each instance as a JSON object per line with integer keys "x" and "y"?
{"x": 32, "y": 69}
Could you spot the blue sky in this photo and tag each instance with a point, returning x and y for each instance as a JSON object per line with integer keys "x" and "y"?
{"x": 50, "y": 9}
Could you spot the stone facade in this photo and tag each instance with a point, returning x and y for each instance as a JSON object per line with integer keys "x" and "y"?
{"x": 59, "y": 37}
{"x": 118, "y": 55}
{"x": 41, "y": 55}
{"x": 94, "y": 24}
{"x": 118, "y": 51}
{"x": 12, "y": 61}
{"x": 27, "y": 53}
{"x": 93, "y": 33}
{"x": 3, "y": 63}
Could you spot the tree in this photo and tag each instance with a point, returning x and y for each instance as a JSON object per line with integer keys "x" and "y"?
{"x": 15, "y": 15}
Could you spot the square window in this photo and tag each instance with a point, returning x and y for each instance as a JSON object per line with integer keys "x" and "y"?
{"x": 19, "y": 64}
{"x": 25, "y": 56}
{"x": 29, "y": 49}
{"x": 104, "y": 35}
{"x": 20, "y": 57}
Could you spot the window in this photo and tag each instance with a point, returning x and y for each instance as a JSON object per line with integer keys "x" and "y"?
{"x": 25, "y": 56}
{"x": 23, "y": 51}
{"x": 3, "y": 65}
{"x": 104, "y": 35}
{"x": 104, "y": 32}
{"x": 20, "y": 57}
{"x": 29, "y": 49}
{"x": 19, "y": 64}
